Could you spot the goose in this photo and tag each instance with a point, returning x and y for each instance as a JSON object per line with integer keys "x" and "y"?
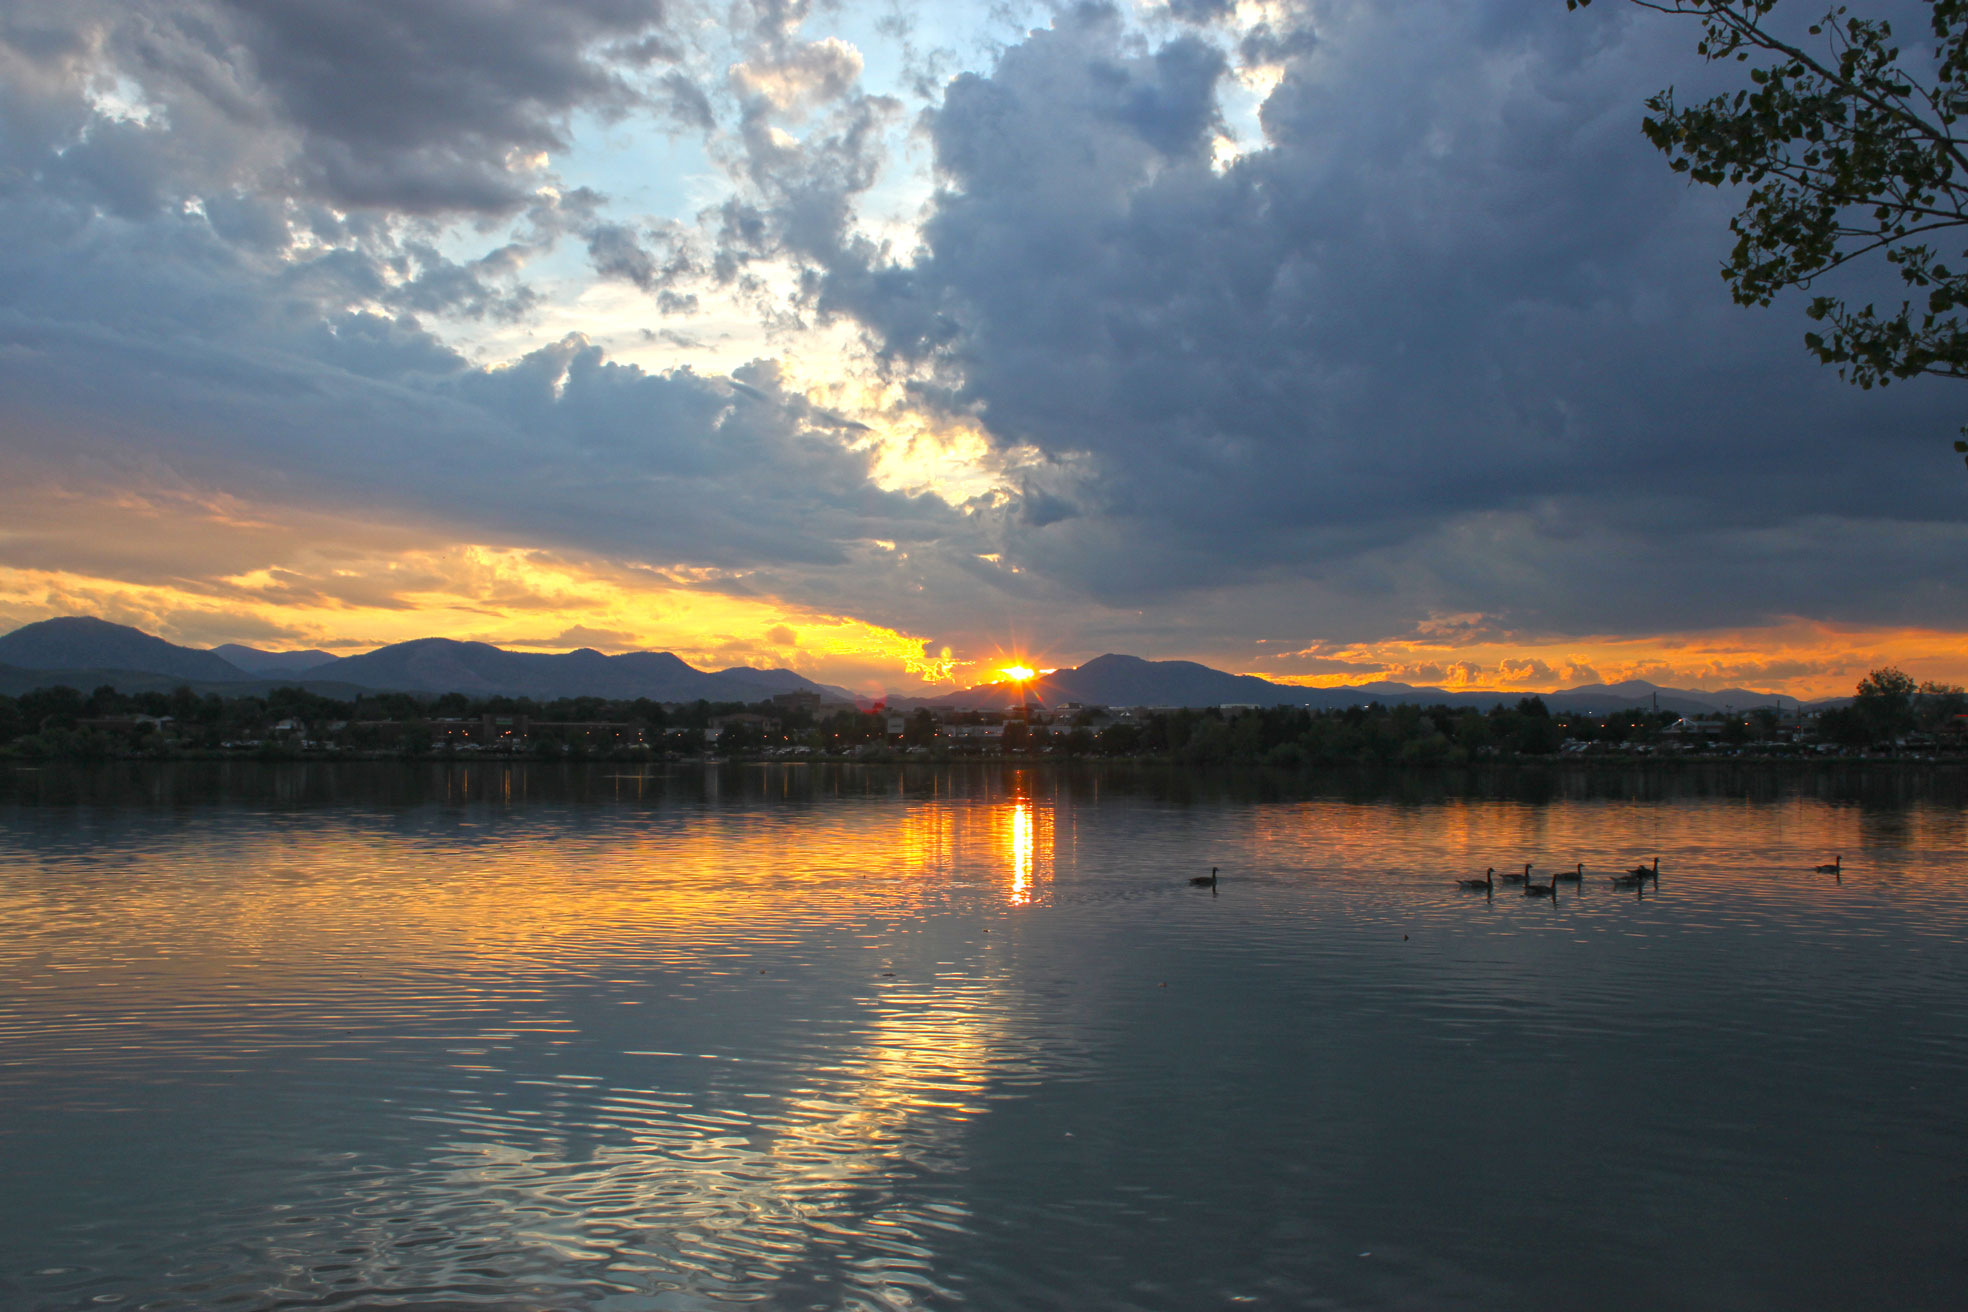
{"x": 1548, "y": 889}
{"x": 1645, "y": 872}
{"x": 1486, "y": 884}
{"x": 1836, "y": 867}
{"x": 1524, "y": 878}
{"x": 1576, "y": 875}
{"x": 1629, "y": 880}
{"x": 1205, "y": 881}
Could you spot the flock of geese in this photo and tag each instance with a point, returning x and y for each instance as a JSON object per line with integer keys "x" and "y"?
{"x": 1636, "y": 878}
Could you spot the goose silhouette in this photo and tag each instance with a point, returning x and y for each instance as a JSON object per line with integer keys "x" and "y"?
{"x": 1484, "y": 885}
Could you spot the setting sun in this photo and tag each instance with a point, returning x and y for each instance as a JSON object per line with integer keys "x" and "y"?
{"x": 1019, "y": 673}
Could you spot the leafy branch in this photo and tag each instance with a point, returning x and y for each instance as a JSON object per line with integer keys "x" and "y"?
{"x": 1846, "y": 154}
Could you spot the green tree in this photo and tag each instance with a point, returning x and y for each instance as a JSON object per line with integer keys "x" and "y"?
{"x": 1936, "y": 705}
{"x": 739, "y": 737}
{"x": 1472, "y": 732}
{"x": 415, "y": 740}
{"x": 1846, "y": 153}
{"x": 919, "y": 730}
{"x": 1535, "y": 733}
{"x": 1121, "y": 739}
{"x": 58, "y": 707}
{"x": 1845, "y": 726}
{"x": 1884, "y": 703}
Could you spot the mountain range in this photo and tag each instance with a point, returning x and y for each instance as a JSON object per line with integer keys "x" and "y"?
{"x": 86, "y": 653}
{"x": 272, "y": 664}
{"x": 79, "y": 643}
{"x": 1114, "y": 680}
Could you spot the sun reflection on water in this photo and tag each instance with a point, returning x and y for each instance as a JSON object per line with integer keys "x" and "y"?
{"x": 1025, "y": 833}
{"x": 1021, "y": 853}
{"x": 740, "y": 1047}
{"x": 496, "y": 942}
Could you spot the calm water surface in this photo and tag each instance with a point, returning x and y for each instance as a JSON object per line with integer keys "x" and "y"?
{"x": 446, "y": 1037}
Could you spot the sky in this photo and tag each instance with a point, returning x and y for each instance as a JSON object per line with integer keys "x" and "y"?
{"x": 898, "y": 342}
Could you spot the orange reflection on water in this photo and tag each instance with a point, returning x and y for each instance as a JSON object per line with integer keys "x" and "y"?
{"x": 1006, "y": 840}
{"x": 1026, "y": 841}
{"x": 1021, "y": 853}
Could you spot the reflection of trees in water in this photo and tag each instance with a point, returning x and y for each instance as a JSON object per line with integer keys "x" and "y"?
{"x": 383, "y": 784}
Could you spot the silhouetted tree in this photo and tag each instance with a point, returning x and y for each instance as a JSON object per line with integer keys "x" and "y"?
{"x": 1885, "y": 703}
{"x": 1842, "y": 152}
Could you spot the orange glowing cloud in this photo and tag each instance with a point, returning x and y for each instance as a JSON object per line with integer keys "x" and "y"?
{"x": 351, "y": 601}
{"x": 1801, "y": 658}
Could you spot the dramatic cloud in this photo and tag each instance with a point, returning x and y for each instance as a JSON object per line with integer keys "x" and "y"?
{"x": 187, "y": 312}
{"x": 1325, "y": 339}
{"x": 359, "y": 103}
{"x": 1450, "y": 339}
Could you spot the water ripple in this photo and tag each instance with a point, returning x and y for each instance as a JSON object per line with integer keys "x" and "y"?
{"x": 976, "y": 1041}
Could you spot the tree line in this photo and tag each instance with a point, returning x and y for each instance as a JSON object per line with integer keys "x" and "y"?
{"x": 1888, "y": 708}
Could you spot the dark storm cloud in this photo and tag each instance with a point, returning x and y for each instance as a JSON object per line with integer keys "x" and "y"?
{"x": 1449, "y": 337}
{"x": 1446, "y": 339}
{"x": 207, "y": 274}
{"x": 412, "y": 107}
{"x": 161, "y": 334}
{"x": 332, "y": 123}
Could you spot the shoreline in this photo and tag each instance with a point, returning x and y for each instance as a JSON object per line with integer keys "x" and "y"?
{"x": 1619, "y": 762}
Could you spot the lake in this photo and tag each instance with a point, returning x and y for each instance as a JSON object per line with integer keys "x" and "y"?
{"x": 797, "y": 1037}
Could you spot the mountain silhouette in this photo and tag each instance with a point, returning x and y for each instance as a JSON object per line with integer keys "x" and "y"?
{"x": 78, "y": 642}
{"x": 84, "y": 653}
{"x": 272, "y": 664}
{"x": 441, "y": 665}
{"x": 1115, "y": 680}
